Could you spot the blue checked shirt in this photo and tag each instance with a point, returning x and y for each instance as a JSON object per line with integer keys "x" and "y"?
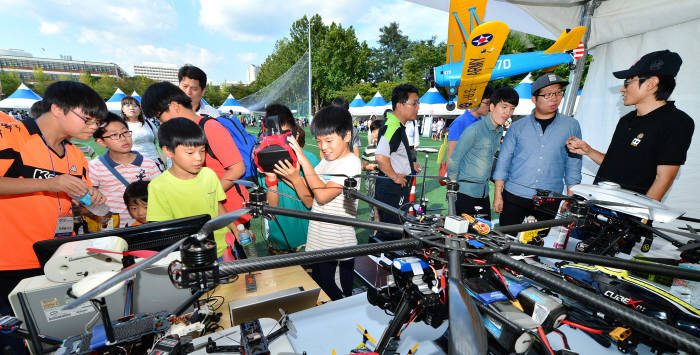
{"x": 530, "y": 158}
{"x": 472, "y": 158}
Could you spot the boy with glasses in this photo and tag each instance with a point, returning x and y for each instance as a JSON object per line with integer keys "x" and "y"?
{"x": 650, "y": 143}
{"x": 534, "y": 156}
{"x": 39, "y": 170}
{"x": 119, "y": 167}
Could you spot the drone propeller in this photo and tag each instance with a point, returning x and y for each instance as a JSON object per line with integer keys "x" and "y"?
{"x": 212, "y": 225}
{"x": 694, "y": 236}
{"x": 467, "y": 332}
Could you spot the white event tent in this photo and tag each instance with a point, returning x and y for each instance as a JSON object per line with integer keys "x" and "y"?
{"x": 136, "y": 96}
{"x": 357, "y": 106}
{"x": 114, "y": 104}
{"x": 230, "y": 104}
{"x": 23, "y": 98}
{"x": 376, "y": 105}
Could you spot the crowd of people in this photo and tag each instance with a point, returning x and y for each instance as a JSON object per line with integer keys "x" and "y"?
{"x": 166, "y": 159}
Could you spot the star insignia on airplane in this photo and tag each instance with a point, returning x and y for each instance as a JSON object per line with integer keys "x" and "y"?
{"x": 482, "y": 39}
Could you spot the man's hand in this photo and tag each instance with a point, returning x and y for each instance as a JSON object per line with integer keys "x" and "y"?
{"x": 578, "y": 146}
{"x": 399, "y": 179}
{"x": 66, "y": 183}
{"x": 564, "y": 206}
{"x": 416, "y": 167}
{"x": 497, "y": 203}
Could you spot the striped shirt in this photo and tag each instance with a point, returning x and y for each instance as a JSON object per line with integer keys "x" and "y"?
{"x": 328, "y": 235}
{"x": 113, "y": 189}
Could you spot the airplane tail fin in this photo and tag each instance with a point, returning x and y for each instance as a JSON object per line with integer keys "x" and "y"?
{"x": 567, "y": 40}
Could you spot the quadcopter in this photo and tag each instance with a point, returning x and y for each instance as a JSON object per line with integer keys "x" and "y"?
{"x": 440, "y": 275}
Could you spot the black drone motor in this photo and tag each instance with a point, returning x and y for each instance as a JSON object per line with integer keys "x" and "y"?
{"x": 199, "y": 268}
{"x": 412, "y": 286}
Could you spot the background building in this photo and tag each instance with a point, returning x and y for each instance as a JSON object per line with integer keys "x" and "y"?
{"x": 158, "y": 71}
{"x": 23, "y": 64}
{"x": 252, "y": 73}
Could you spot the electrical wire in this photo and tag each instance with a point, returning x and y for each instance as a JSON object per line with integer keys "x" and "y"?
{"x": 564, "y": 340}
{"x": 582, "y": 327}
{"x": 543, "y": 338}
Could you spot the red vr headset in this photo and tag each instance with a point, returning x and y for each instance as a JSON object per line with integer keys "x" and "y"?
{"x": 274, "y": 147}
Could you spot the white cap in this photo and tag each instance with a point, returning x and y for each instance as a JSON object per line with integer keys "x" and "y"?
{"x": 240, "y": 227}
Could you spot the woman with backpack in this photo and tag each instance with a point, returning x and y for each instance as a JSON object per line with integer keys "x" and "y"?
{"x": 144, "y": 133}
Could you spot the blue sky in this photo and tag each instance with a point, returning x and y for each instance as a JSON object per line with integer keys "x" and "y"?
{"x": 221, "y": 36}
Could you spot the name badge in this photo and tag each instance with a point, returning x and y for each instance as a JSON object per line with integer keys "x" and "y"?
{"x": 64, "y": 227}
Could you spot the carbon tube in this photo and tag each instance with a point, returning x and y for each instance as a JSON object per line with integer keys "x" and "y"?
{"x": 376, "y": 203}
{"x": 537, "y": 225}
{"x": 618, "y": 263}
{"x": 346, "y": 221}
{"x": 643, "y": 323}
{"x": 235, "y": 267}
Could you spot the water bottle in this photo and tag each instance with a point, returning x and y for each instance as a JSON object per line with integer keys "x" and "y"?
{"x": 96, "y": 209}
{"x": 246, "y": 239}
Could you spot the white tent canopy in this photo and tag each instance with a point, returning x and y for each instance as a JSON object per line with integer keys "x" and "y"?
{"x": 232, "y": 105}
{"x": 357, "y": 106}
{"x": 23, "y": 98}
{"x": 136, "y": 96}
{"x": 376, "y": 106}
{"x": 114, "y": 104}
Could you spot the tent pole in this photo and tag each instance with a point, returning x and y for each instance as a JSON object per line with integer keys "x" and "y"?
{"x": 310, "y": 115}
{"x": 577, "y": 74}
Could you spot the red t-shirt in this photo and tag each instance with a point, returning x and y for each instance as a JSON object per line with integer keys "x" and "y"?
{"x": 227, "y": 154}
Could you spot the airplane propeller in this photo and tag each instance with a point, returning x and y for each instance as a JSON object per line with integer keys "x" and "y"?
{"x": 212, "y": 225}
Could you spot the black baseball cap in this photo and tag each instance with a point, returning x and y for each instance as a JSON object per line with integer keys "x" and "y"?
{"x": 546, "y": 80}
{"x": 660, "y": 63}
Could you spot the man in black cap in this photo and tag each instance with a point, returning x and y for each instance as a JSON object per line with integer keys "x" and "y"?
{"x": 534, "y": 156}
{"x": 650, "y": 143}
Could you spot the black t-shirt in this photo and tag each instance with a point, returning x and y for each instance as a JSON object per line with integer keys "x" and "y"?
{"x": 640, "y": 143}
{"x": 544, "y": 122}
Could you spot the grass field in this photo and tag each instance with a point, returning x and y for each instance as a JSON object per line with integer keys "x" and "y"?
{"x": 433, "y": 191}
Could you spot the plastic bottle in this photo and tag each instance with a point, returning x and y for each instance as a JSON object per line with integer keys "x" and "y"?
{"x": 246, "y": 239}
{"x": 96, "y": 209}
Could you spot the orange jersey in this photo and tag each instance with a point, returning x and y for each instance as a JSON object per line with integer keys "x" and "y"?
{"x": 5, "y": 118}
{"x": 29, "y": 218}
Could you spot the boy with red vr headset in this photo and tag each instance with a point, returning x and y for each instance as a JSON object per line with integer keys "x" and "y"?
{"x": 285, "y": 184}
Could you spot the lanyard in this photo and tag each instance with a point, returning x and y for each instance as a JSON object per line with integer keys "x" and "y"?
{"x": 65, "y": 153}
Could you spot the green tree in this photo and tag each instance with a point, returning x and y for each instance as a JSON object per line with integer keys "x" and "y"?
{"x": 41, "y": 81}
{"x": 365, "y": 89}
{"x": 10, "y": 82}
{"x": 87, "y": 79}
{"x": 424, "y": 55}
{"x": 141, "y": 83}
{"x": 106, "y": 86}
{"x": 337, "y": 57}
{"x": 394, "y": 48}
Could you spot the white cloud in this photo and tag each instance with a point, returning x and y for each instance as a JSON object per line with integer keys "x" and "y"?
{"x": 247, "y": 57}
{"x": 50, "y": 28}
{"x": 258, "y": 21}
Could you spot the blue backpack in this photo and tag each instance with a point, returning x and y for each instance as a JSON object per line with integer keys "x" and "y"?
{"x": 244, "y": 141}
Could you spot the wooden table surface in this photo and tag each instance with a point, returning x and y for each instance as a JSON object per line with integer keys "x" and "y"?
{"x": 267, "y": 281}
